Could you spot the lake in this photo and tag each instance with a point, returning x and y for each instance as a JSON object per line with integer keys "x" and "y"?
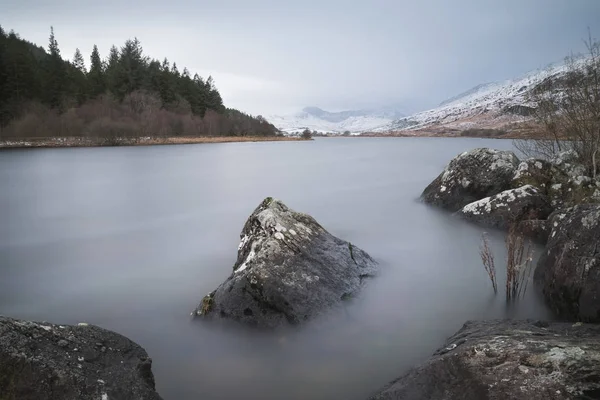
{"x": 131, "y": 239}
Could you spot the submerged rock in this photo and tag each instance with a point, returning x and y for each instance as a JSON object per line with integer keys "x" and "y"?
{"x": 519, "y": 360}
{"x": 289, "y": 269}
{"x": 46, "y": 361}
{"x": 508, "y": 207}
{"x": 472, "y": 176}
{"x": 569, "y": 269}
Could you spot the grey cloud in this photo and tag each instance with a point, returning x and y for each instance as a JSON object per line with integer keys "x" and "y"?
{"x": 278, "y": 56}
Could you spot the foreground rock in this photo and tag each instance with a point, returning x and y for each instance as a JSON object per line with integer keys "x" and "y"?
{"x": 45, "y": 361}
{"x": 508, "y": 207}
{"x": 569, "y": 269}
{"x": 508, "y": 360}
{"x": 472, "y": 176}
{"x": 289, "y": 269}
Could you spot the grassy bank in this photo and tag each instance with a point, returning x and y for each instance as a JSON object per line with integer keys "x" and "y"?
{"x": 147, "y": 141}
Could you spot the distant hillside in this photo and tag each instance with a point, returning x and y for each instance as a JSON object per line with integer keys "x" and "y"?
{"x": 477, "y": 89}
{"x": 490, "y": 105}
{"x": 353, "y": 121}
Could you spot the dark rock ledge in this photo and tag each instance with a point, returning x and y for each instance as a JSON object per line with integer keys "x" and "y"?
{"x": 46, "y": 361}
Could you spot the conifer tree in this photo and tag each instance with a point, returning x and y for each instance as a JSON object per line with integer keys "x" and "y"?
{"x": 77, "y": 79}
{"x": 111, "y": 69}
{"x": 55, "y": 74}
{"x": 96, "y": 78}
{"x": 78, "y": 61}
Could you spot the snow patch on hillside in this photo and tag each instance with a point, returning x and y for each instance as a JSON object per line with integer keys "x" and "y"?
{"x": 493, "y": 100}
{"x": 354, "y": 121}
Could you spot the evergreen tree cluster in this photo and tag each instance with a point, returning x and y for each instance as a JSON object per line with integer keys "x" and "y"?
{"x": 146, "y": 94}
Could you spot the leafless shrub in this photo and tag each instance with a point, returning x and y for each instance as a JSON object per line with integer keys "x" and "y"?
{"x": 307, "y": 134}
{"x": 487, "y": 258}
{"x": 29, "y": 125}
{"x": 71, "y": 124}
{"x": 567, "y": 109}
{"x": 179, "y": 106}
{"x": 140, "y": 115}
{"x": 111, "y": 131}
{"x": 519, "y": 263}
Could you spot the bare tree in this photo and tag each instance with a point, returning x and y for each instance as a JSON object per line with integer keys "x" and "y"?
{"x": 568, "y": 110}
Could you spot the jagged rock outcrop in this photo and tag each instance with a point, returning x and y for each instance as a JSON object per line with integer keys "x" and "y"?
{"x": 508, "y": 207}
{"x": 42, "y": 361}
{"x": 568, "y": 271}
{"x": 518, "y": 360}
{"x": 472, "y": 176}
{"x": 289, "y": 270}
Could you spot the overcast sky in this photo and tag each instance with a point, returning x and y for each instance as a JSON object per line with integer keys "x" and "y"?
{"x": 277, "y": 56}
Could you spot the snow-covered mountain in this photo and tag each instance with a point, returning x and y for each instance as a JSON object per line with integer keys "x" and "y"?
{"x": 354, "y": 121}
{"x": 495, "y": 105}
{"x": 489, "y": 105}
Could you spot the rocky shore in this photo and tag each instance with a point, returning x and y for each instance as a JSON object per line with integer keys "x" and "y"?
{"x": 531, "y": 360}
{"x": 137, "y": 141}
{"x": 556, "y": 203}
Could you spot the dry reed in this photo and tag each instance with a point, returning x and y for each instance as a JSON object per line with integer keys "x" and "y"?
{"x": 519, "y": 263}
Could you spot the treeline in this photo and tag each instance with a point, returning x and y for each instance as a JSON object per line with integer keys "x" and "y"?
{"x": 126, "y": 94}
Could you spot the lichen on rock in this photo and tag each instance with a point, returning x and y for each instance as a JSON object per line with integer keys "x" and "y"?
{"x": 472, "y": 176}
{"x": 289, "y": 270}
{"x": 62, "y": 362}
{"x": 569, "y": 270}
{"x": 508, "y": 207}
{"x": 519, "y": 360}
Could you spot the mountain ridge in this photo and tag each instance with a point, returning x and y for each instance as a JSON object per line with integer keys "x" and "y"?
{"x": 493, "y": 105}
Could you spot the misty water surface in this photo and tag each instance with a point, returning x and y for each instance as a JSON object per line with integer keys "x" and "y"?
{"x": 131, "y": 239}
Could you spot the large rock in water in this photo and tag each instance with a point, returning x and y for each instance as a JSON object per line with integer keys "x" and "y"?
{"x": 517, "y": 360}
{"x": 289, "y": 269}
{"x": 61, "y": 362}
{"x": 508, "y": 207}
{"x": 472, "y": 176}
{"x": 569, "y": 269}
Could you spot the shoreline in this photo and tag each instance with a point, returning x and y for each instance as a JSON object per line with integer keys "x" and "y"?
{"x": 147, "y": 141}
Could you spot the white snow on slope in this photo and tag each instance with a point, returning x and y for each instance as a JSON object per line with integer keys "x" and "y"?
{"x": 356, "y": 125}
{"x": 490, "y": 99}
{"x": 357, "y": 121}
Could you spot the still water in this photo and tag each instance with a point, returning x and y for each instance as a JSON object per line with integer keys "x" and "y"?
{"x": 131, "y": 238}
